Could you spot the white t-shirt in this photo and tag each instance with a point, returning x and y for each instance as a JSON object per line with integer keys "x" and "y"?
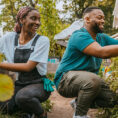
{"x": 40, "y": 53}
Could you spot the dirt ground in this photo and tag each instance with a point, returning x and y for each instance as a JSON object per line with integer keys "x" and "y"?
{"x": 62, "y": 108}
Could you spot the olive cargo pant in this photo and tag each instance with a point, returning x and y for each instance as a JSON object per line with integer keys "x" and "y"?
{"x": 91, "y": 91}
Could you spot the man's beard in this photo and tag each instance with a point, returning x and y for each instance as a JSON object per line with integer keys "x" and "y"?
{"x": 96, "y": 29}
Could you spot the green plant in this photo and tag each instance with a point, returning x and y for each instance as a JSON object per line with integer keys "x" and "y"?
{"x": 50, "y": 76}
{"x": 47, "y": 105}
{"x": 112, "y": 80}
{"x": 7, "y": 116}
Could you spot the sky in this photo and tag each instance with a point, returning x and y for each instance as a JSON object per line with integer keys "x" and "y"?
{"x": 60, "y": 5}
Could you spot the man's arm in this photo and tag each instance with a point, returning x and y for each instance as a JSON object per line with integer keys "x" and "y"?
{"x": 94, "y": 49}
{"x": 115, "y": 36}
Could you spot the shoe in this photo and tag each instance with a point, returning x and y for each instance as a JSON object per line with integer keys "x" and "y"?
{"x": 44, "y": 115}
{"x": 85, "y": 116}
{"x": 73, "y": 104}
{"x": 33, "y": 116}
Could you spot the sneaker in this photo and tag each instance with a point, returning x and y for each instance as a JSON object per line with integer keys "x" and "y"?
{"x": 44, "y": 115}
{"x": 73, "y": 103}
{"x": 85, "y": 116}
{"x": 33, "y": 116}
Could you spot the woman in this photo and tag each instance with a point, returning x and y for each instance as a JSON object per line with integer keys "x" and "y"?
{"x": 27, "y": 54}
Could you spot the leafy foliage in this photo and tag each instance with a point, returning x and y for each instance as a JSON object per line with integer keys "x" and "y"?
{"x": 2, "y": 57}
{"x": 50, "y": 76}
{"x": 6, "y": 87}
{"x": 7, "y": 116}
{"x": 6, "y": 84}
{"x": 113, "y": 82}
{"x": 51, "y": 24}
{"x": 9, "y": 11}
{"x": 47, "y": 105}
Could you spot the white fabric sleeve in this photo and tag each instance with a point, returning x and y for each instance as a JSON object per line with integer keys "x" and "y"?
{"x": 41, "y": 50}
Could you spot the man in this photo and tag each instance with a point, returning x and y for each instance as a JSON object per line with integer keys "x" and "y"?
{"x": 76, "y": 75}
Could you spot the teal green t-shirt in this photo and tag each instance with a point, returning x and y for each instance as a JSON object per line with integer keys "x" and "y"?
{"x": 75, "y": 59}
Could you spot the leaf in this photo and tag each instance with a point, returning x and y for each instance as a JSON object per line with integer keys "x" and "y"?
{"x": 2, "y": 57}
{"x": 6, "y": 87}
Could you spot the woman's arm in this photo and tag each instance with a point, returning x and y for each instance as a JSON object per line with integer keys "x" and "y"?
{"x": 24, "y": 67}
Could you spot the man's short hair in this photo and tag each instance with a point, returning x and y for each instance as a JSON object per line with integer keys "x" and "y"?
{"x": 89, "y": 9}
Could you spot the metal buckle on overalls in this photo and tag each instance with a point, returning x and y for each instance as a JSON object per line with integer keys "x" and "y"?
{"x": 15, "y": 47}
{"x": 32, "y": 47}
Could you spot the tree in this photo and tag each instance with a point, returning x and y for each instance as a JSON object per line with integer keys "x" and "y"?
{"x": 51, "y": 24}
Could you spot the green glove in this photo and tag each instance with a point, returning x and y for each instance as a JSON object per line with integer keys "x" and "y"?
{"x": 48, "y": 84}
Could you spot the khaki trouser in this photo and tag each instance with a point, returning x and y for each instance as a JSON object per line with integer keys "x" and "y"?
{"x": 91, "y": 91}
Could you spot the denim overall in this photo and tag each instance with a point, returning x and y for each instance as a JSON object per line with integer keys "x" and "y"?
{"x": 22, "y": 56}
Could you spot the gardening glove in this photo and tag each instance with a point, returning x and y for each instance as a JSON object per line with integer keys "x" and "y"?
{"x": 48, "y": 84}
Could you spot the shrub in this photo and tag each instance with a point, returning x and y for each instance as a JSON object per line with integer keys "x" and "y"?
{"x": 112, "y": 80}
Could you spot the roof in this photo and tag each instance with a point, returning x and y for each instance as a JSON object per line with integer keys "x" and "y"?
{"x": 66, "y": 33}
{"x": 62, "y": 43}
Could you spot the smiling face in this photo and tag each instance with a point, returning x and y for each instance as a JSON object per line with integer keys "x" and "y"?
{"x": 95, "y": 20}
{"x": 31, "y": 22}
